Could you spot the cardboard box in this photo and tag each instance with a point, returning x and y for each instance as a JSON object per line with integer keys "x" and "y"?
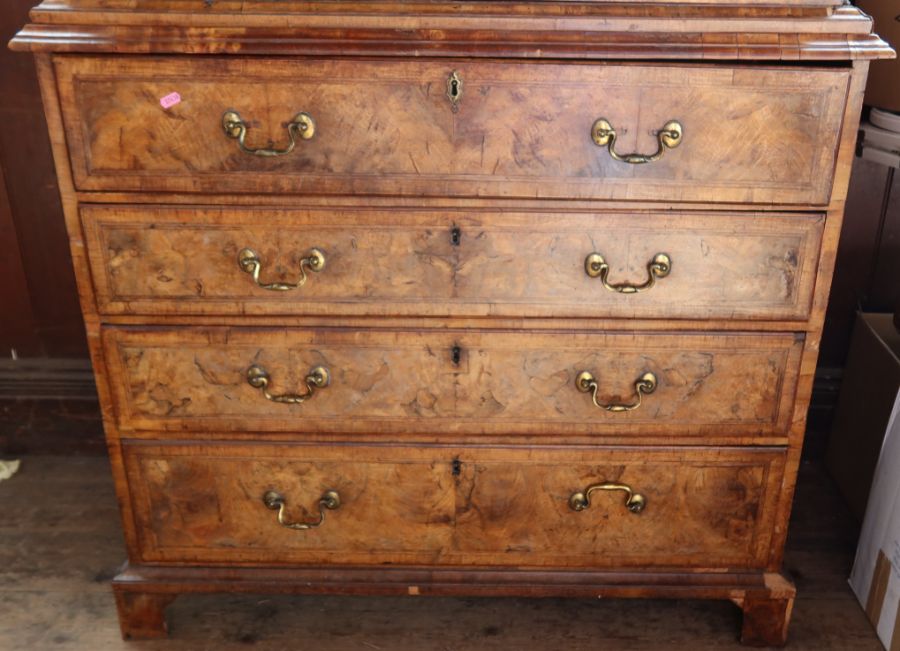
{"x": 876, "y": 571}
{"x": 883, "y": 87}
{"x": 871, "y": 380}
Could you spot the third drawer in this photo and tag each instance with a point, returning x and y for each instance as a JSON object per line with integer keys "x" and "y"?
{"x": 731, "y": 386}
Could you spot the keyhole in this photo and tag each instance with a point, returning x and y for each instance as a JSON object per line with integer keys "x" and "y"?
{"x": 457, "y": 467}
{"x": 454, "y": 90}
{"x": 455, "y": 236}
{"x": 455, "y": 355}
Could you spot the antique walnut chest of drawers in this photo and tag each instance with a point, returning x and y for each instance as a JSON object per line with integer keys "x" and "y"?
{"x": 433, "y": 298}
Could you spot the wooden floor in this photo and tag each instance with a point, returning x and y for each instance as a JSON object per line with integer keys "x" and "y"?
{"x": 60, "y": 542}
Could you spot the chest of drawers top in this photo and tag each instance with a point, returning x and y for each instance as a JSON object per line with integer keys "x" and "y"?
{"x": 701, "y": 30}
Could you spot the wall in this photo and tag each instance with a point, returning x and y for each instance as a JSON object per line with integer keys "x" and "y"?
{"x": 867, "y": 275}
{"x": 40, "y": 314}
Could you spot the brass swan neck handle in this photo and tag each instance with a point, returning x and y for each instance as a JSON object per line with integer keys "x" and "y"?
{"x": 646, "y": 384}
{"x": 302, "y": 127}
{"x": 634, "y": 502}
{"x": 317, "y": 378}
{"x": 660, "y": 266}
{"x": 669, "y": 137}
{"x": 275, "y": 501}
{"x": 250, "y": 262}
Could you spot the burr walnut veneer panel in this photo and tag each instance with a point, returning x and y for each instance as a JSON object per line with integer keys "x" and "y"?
{"x": 408, "y": 262}
{"x": 751, "y": 134}
{"x": 514, "y": 382}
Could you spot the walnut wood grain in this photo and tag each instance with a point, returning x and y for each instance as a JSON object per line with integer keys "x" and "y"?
{"x": 142, "y": 615}
{"x": 304, "y": 41}
{"x": 156, "y": 261}
{"x": 700, "y": 31}
{"x": 434, "y": 580}
{"x": 488, "y": 18}
{"x": 386, "y": 127}
{"x": 453, "y": 581}
{"x": 150, "y": 10}
{"x": 52, "y": 110}
{"x": 834, "y": 222}
{"x": 766, "y": 620}
{"x": 500, "y": 507}
{"x": 407, "y": 381}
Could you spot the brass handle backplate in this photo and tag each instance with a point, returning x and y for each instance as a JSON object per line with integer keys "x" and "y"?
{"x": 302, "y": 127}
{"x": 595, "y": 266}
{"x": 275, "y": 501}
{"x": 250, "y": 262}
{"x": 634, "y": 502}
{"x": 669, "y": 137}
{"x": 643, "y": 385}
{"x": 318, "y": 378}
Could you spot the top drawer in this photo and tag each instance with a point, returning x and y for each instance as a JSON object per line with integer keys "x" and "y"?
{"x": 748, "y": 134}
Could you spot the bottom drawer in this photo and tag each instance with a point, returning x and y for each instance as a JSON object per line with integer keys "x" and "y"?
{"x": 445, "y": 505}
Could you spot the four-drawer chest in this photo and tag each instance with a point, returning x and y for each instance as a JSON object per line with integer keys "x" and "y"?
{"x": 454, "y": 298}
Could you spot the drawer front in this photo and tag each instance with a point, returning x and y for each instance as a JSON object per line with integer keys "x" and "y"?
{"x": 440, "y": 381}
{"x": 748, "y": 134}
{"x": 454, "y": 506}
{"x": 149, "y": 260}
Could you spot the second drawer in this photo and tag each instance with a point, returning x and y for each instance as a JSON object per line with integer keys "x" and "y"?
{"x": 151, "y": 260}
{"x": 547, "y": 383}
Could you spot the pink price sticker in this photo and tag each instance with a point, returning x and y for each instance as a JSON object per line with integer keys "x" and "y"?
{"x": 170, "y": 100}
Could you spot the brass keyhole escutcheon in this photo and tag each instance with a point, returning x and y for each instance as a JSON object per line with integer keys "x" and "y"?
{"x": 455, "y": 236}
{"x": 454, "y": 90}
